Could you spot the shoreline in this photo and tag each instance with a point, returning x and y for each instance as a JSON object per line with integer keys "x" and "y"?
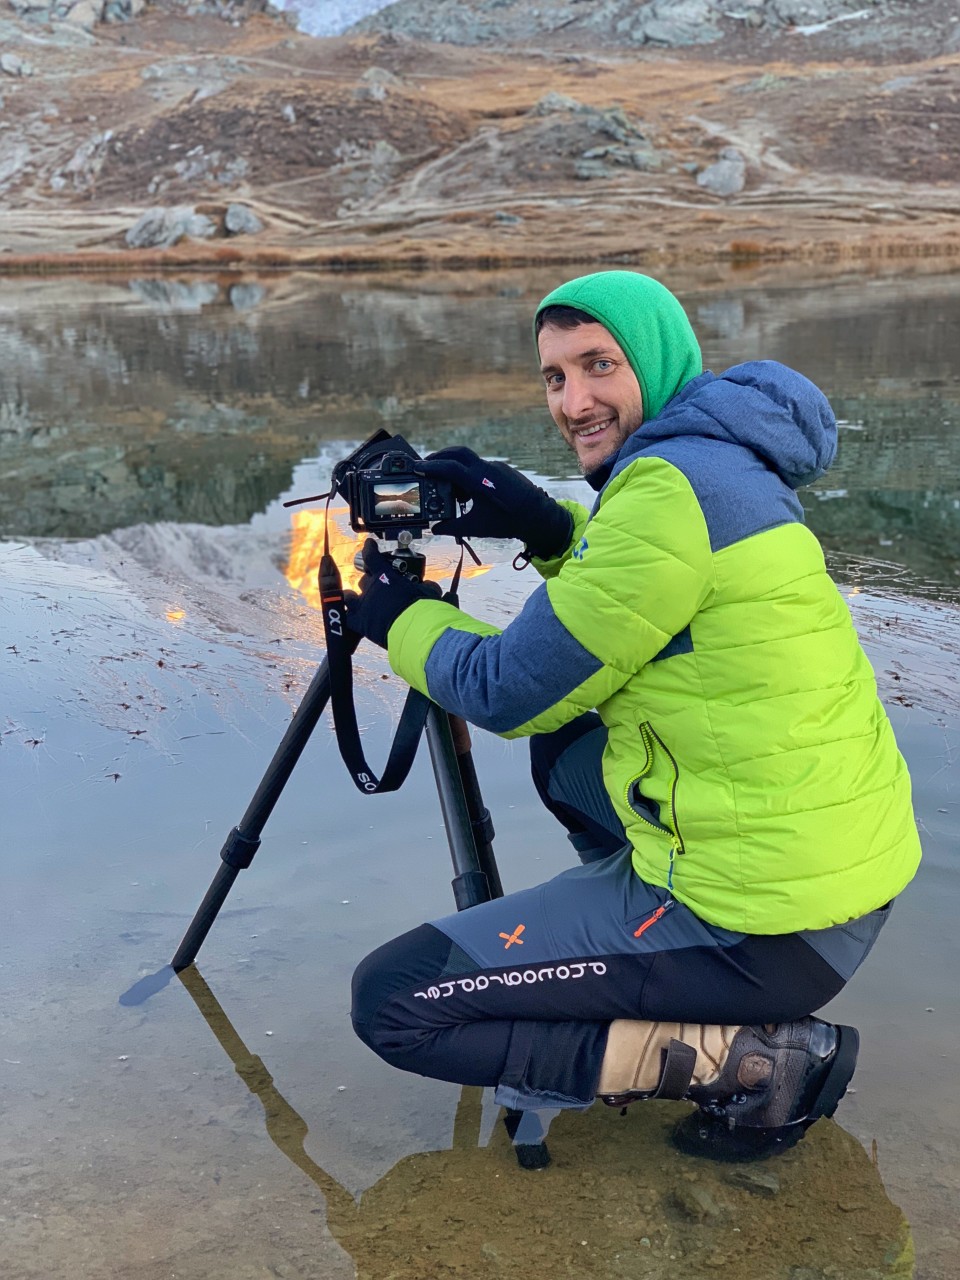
{"x": 198, "y": 256}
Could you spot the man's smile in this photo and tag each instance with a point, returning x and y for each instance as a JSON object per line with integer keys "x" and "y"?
{"x": 591, "y": 428}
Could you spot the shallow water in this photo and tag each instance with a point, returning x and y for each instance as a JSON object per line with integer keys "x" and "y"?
{"x": 231, "y": 1125}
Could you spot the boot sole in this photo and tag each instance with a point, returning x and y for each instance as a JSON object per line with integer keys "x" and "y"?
{"x": 712, "y": 1138}
{"x": 838, "y": 1077}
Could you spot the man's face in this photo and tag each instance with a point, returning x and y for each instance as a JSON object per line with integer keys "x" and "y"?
{"x": 592, "y": 393}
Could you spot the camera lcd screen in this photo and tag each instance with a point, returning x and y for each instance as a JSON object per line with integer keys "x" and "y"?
{"x": 398, "y": 500}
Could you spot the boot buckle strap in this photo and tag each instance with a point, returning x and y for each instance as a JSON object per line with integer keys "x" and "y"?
{"x": 679, "y": 1064}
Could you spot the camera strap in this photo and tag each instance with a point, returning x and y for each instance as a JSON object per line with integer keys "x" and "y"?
{"x": 341, "y": 644}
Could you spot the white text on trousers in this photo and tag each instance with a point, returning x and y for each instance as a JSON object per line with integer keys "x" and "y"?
{"x": 513, "y": 978}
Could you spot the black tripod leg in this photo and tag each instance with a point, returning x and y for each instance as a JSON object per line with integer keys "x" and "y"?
{"x": 244, "y": 840}
{"x": 480, "y": 820}
{"x": 469, "y": 833}
{"x": 470, "y": 885}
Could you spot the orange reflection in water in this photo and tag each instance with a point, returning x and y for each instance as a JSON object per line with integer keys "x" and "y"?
{"x": 306, "y": 548}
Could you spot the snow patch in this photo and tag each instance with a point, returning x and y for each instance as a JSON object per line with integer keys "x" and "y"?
{"x": 330, "y": 17}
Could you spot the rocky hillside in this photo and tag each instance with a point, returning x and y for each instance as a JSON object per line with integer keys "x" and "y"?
{"x": 478, "y": 131}
{"x": 867, "y": 27}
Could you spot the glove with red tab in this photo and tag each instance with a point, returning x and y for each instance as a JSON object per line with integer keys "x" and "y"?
{"x": 384, "y": 594}
{"x": 505, "y": 503}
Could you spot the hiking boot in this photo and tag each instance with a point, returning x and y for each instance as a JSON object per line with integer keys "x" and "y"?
{"x": 757, "y": 1089}
{"x": 776, "y": 1082}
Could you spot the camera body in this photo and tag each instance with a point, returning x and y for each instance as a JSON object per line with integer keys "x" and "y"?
{"x": 384, "y": 494}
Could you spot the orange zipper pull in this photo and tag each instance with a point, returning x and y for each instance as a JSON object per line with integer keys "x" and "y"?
{"x": 652, "y": 920}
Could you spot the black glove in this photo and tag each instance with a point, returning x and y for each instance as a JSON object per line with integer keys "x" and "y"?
{"x": 505, "y": 503}
{"x": 384, "y": 594}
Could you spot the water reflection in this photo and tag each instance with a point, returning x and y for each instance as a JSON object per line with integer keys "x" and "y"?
{"x": 618, "y": 1201}
{"x": 195, "y": 400}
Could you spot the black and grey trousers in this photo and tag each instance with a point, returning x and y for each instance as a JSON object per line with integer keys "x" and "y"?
{"x": 518, "y": 993}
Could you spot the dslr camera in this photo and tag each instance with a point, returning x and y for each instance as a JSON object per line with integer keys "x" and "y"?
{"x": 383, "y": 493}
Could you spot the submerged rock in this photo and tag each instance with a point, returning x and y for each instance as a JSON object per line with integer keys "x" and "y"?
{"x": 760, "y": 1181}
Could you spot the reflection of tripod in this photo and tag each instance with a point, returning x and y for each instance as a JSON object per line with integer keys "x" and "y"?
{"x": 466, "y": 820}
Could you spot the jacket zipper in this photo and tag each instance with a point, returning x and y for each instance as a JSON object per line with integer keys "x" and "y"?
{"x": 678, "y": 838}
{"x": 677, "y": 847}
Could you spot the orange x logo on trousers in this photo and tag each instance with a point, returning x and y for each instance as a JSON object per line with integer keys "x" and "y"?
{"x": 511, "y": 938}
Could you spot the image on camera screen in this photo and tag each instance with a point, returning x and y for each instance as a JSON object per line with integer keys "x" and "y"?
{"x": 396, "y": 499}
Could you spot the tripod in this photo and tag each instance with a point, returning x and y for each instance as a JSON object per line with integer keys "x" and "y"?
{"x": 467, "y": 823}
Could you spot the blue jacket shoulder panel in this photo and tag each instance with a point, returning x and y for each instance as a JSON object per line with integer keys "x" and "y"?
{"x": 745, "y": 441}
{"x": 738, "y": 495}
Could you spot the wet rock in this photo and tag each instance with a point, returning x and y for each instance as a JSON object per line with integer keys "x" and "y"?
{"x": 240, "y": 220}
{"x": 726, "y": 176}
{"x": 162, "y": 226}
{"x": 757, "y": 1181}
{"x": 12, "y": 65}
{"x": 695, "y": 1202}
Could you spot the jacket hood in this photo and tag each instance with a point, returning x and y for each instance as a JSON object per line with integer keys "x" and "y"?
{"x": 777, "y": 413}
{"x": 648, "y": 323}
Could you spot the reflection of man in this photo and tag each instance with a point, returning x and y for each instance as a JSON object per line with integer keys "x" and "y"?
{"x": 703, "y": 722}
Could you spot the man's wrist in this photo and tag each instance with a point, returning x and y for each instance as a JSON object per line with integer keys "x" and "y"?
{"x": 555, "y": 538}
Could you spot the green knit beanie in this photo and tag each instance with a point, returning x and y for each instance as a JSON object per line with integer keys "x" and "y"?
{"x": 648, "y": 323}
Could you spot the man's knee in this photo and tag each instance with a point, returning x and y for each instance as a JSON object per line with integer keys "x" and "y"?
{"x": 405, "y": 962}
{"x": 367, "y": 990}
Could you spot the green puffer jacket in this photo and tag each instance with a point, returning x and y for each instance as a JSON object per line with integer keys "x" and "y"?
{"x": 748, "y": 755}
